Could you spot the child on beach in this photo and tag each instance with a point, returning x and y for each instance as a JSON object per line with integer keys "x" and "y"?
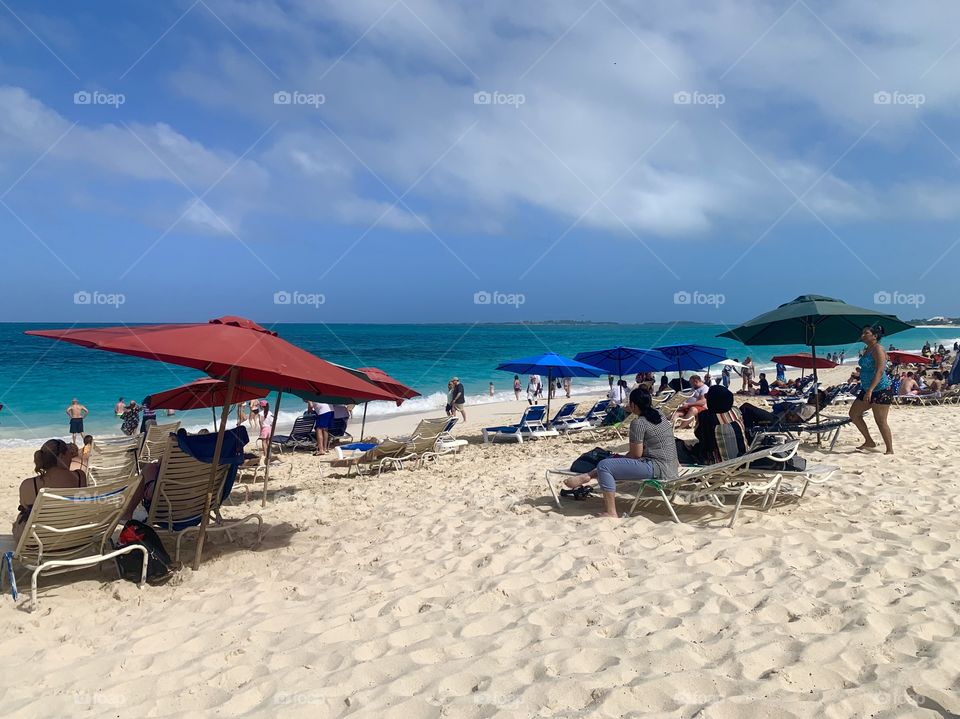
{"x": 266, "y": 425}
{"x": 85, "y": 451}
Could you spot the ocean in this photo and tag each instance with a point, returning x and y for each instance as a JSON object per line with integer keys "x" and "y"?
{"x": 38, "y": 377}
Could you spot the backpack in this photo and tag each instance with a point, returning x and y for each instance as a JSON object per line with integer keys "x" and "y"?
{"x": 130, "y": 565}
{"x": 615, "y": 415}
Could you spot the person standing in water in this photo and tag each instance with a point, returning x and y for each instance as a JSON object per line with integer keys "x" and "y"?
{"x": 876, "y": 394}
{"x": 120, "y": 407}
{"x": 76, "y": 412}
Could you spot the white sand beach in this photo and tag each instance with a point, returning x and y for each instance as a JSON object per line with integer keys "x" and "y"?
{"x": 461, "y": 590}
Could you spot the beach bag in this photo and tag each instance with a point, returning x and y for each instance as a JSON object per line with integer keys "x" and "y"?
{"x": 159, "y": 564}
{"x": 588, "y": 461}
{"x": 615, "y": 415}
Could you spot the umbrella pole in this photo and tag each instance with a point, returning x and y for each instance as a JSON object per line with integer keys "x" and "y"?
{"x": 549, "y": 390}
{"x": 211, "y": 483}
{"x": 363, "y": 424}
{"x": 213, "y": 411}
{"x": 816, "y": 390}
{"x": 266, "y": 469}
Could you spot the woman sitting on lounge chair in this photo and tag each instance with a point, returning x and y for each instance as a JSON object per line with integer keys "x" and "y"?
{"x": 720, "y": 431}
{"x": 52, "y": 464}
{"x": 652, "y": 454}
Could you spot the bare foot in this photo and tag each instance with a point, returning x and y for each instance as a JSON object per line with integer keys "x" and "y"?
{"x": 867, "y": 447}
{"x": 578, "y": 481}
{"x": 605, "y": 515}
{"x": 889, "y": 452}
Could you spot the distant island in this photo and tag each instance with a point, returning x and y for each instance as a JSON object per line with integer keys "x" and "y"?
{"x": 938, "y": 321}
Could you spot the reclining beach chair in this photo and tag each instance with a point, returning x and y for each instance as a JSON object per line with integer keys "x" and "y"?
{"x": 530, "y": 426}
{"x": 70, "y": 529}
{"x": 180, "y": 493}
{"x": 107, "y": 469}
{"x": 566, "y": 421}
{"x": 446, "y": 442}
{"x": 155, "y": 441}
{"x": 810, "y": 474}
{"x": 597, "y": 413}
{"x": 388, "y": 454}
{"x": 302, "y": 436}
{"x": 709, "y": 484}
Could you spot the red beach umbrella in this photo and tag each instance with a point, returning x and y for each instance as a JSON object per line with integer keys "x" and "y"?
{"x": 898, "y": 357}
{"x": 202, "y": 394}
{"x": 804, "y": 360}
{"x": 232, "y": 348}
{"x": 388, "y": 383}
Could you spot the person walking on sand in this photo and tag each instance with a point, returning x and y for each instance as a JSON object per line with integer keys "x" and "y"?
{"x": 876, "y": 394}
{"x": 459, "y": 399}
{"x": 532, "y": 390}
{"x": 567, "y": 384}
{"x": 449, "y": 408}
{"x": 76, "y": 412}
{"x": 517, "y": 386}
{"x": 266, "y": 426}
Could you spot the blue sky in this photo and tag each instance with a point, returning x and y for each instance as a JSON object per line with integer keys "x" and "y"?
{"x": 635, "y": 162}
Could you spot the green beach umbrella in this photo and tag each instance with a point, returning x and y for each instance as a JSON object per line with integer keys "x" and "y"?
{"x": 813, "y": 320}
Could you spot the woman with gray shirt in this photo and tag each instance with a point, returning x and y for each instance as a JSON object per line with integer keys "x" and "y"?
{"x": 652, "y": 454}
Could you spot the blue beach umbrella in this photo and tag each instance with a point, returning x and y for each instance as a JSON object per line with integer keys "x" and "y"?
{"x": 552, "y": 365}
{"x": 692, "y": 357}
{"x": 625, "y": 360}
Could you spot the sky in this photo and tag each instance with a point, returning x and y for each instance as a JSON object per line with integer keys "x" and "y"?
{"x": 428, "y": 161}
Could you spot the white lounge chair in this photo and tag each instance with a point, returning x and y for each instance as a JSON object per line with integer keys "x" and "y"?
{"x": 69, "y": 529}
{"x": 179, "y": 496}
{"x": 155, "y": 441}
{"x": 710, "y": 483}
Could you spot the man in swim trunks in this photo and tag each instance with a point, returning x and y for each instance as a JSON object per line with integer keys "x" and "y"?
{"x": 76, "y": 412}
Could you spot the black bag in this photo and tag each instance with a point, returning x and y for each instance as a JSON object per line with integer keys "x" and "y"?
{"x": 795, "y": 464}
{"x": 588, "y": 461}
{"x": 159, "y": 564}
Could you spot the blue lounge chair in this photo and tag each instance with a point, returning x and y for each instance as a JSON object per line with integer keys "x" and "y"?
{"x": 302, "y": 435}
{"x": 565, "y": 421}
{"x": 530, "y": 426}
{"x": 597, "y": 413}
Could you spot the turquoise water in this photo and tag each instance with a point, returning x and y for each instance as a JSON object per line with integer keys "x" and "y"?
{"x": 38, "y": 377}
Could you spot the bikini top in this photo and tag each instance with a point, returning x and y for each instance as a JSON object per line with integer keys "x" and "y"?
{"x": 24, "y": 512}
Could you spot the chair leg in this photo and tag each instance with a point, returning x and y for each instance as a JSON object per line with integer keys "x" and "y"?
{"x": 553, "y": 490}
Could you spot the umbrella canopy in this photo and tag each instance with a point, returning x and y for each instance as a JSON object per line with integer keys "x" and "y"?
{"x": 730, "y": 363}
{"x": 231, "y": 348}
{"x": 385, "y": 382}
{"x": 813, "y": 320}
{"x": 202, "y": 394}
{"x": 625, "y": 360}
{"x": 804, "y": 360}
{"x": 261, "y": 357}
{"x": 552, "y": 365}
{"x": 692, "y": 357}
{"x": 898, "y": 357}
